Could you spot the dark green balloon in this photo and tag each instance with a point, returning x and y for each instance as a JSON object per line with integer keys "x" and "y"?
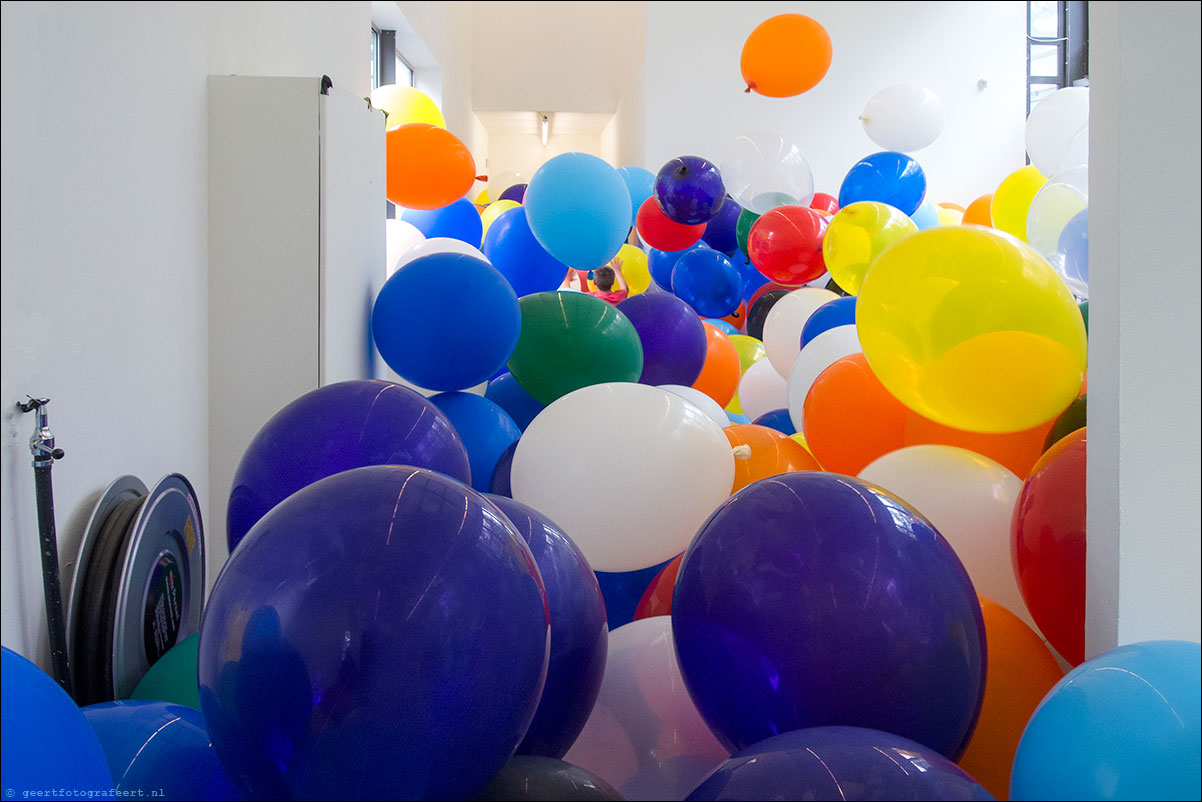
{"x": 1070, "y": 420}
{"x": 743, "y": 227}
{"x": 571, "y": 340}
{"x": 1084, "y": 307}
{"x": 173, "y": 677}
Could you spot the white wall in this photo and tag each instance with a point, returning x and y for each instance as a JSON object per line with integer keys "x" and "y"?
{"x": 624, "y": 140}
{"x": 1144, "y": 408}
{"x": 523, "y": 153}
{"x": 696, "y": 102}
{"x": 104, "y": 244}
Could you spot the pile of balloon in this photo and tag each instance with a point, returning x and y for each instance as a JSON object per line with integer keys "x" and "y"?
{"x": 803, "y": 517}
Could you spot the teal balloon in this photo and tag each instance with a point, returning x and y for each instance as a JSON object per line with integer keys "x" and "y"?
{"x": 173, "y": 677}
{"x": 1123, "y": 725}
{"x": 578, "y": 208}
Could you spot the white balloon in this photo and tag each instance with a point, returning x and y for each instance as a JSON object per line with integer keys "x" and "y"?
{"x": 706, "y": 404}
{"x": 439, "y": 245}
{"x": 645, "y": 736}
{"x": 1052, "y": 124}
{"x": 903, "y": 117}
{"x": 399, "y": 237}
{"x": 1060, "y": 199}
{"x": 762, "y": 389}
{"x": 628, "y": 471}
{"x": 1077, "y": 154}
{"x": 762, "y": 171}
{"x": 970, "y": 500}
{"x": 818, "y": 355}
{"x": 786, "y": 319}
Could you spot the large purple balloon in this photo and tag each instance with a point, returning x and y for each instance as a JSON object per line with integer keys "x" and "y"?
{"x": 335, "y": 428}
{"x": 689, "y": 190}
{"x": 848, "y": 763}
{"x": 720, "y": 232}
{"x": 813, "y": 599}
{"x": 381, "y": 634}
{"x": 672, "y": 335}
{"x": 579, "y": 634}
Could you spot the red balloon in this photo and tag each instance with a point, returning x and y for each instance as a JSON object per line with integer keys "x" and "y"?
{"x": 785, "y": 244}
{"x": 657, "y": 598}
{"x": 1047, "y": 545}
{"x": 825, "y": 203}
{"x": 663, "y": 233}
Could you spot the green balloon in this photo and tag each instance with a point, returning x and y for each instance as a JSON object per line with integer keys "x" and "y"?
{"x": 173, "y": 677}
{"x": 743, "y": 226}
{"x": 1069, "y": 421}
{"x": 1084, "y": 307}
{"x": 571, "y": 340}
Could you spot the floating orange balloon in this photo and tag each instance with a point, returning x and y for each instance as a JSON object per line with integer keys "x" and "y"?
{"x": 738, "y": 318}
{"x": 427, "y": 167}
{"x": 977, "y": 213}
{"x": 657, "y": 598}
{"x": 1017, "y": 451}
{"x": 1020, "y": 670}
{"x": 849, "y": 418}
{"x": 720, "y": 373}
{"x": 772, "y": 453}
{"x": 785, "y": 55}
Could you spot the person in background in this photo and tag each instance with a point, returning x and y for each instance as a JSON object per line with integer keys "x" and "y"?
{"x": 604, "y": 279}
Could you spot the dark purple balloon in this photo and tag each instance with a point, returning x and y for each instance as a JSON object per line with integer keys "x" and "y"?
{"x": 846, "y": 763}
{"x": 501, "y": 484}
{"x": 335, "y": 428}
{"x": 813, "y": 599}
{"x": 381, "y": 634}
{"x": 707, "y": 282}
{"x": 689, "y": 190}
{"x": 672, "y": 335}
{"x": 720, "y": 231}
{"x": 579, "y": 634}
{"x": 517, "y": 193}
{"x": 839, "y": 312}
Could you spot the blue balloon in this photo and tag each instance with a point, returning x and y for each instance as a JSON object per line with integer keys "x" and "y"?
{"x": 335, "y": 428}
{"x": 689, "y": 190}
{"x": 673, "y": 338}
{"x": 778, "y": 419}
{"x": 640, "y": 184}
{"x": 1122, "y": 725}
{"x": 47, "y": 741}
{"x": 887, "y": 177}
{"x": 708, "y": 282}
{"x": 160, "y": 746}
{"x": 738, "y": 417}
{"x": 722, "y": 326}
{"x": 516, "y": 255}
{"x": 661, "y": 263}
{"x": 380, "y": 634}
{"x": 579, "y": 209}
{"x": 839, "y": 312}
{"x": 579, "y": 635}
{"x": 446, "y": 321}
{"x": 838, "y": 763}
{"x": 1073, "y": 248}
{"x": 505, "y": 392}
{"x": 720, "y": 232}
{"x": 485, "y": 429}
{"x": 460, "y": 221}
{"x": 622, "y": 591}
{"x": 814, "y": 599}
{"x": 925, "y": 216}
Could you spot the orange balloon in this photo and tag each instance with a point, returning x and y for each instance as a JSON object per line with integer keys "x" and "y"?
{"x": 427, "y": 167}
{"x": 772, "y": 453}
{"x": 738, "y": 318}
{"x": 849, "y": 418}
{"x": 657, "y": 598}
{"x": 1017, "y": 451}
{"x": 978, "y": 214}
{"x": 785, "y": 55}
{"x": 720, "y": 374}
{"x": 1020, "y": 670}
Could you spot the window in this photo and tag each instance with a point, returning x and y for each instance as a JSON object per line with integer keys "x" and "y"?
{"x": 388, "y": 66}
{"x": 1057, "y": 47}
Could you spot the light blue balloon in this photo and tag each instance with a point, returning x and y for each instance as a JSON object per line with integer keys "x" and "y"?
{"x": 641, "y": 185}
{"x": 578, "y": 208}
{"x": 1073, "y": 250}
{"x": 1124, "y": 725}
{"x": 721, "y": 325}
{"x": 925, "y": 216}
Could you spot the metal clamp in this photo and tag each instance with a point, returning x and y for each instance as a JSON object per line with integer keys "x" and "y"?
{"x": 41, "y": 443}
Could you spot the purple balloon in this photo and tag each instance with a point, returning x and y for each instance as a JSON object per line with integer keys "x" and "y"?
{"x": 672, "y": 335}
{"x": 381, "y": 634}
{"x": 517, "y": 193}
{"x": 849, "y": 763}
{"x": 720, "y": 232}
{"x": 335, "y": 428}
{"x": 812, "y": 599}
{"x": 579, "y": 634}
{"x": 689, "y": 190}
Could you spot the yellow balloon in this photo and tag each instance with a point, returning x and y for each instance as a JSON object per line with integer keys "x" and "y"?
{"x": 856, "y": 236}
{"x": 482, "y": 198}
{"x": 801, "y": 438}
{"x": 634, "y": 269}
{"x": 971, "y": 328}
{"x": 750, "y": 351}
{"x": 949, "y": 217}
{"x": 1012, "y": 200}
{"x": 495, "y": 210}
{"x": 404, "y": 104}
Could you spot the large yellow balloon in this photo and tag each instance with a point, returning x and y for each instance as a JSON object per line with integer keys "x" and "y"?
{"x": 495, "y": 210}
{"x": 971, "y": 328}
{"x": 856, "y": 236}
{"x": 404, "y": 104}
{"x": 1012, "y": 200}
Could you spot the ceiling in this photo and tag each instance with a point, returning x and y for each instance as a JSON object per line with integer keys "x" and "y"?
{"x": 526, "y": 122}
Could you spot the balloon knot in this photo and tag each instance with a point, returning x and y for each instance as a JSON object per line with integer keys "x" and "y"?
{"x": 482, "y": 178}
{"x": 741, "y": 452}
{"x": 747, "y": 90}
